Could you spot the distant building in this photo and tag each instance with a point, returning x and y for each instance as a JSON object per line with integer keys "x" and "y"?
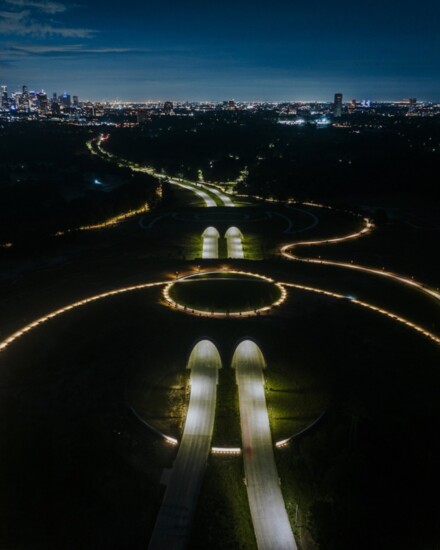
{"x": 5, "y": 100}
{"x": 337, "y": 106}
{"x": 168, "y": 107}
{"x": 56, "y": 110}
{"x": 75, "y": 101}
{"x": 143, "y": 116}
{"x": 65, "y": 100}
{"x": 43, "y": 103}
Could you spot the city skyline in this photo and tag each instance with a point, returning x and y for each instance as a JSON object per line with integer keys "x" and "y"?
{"x": 246, "y": 52}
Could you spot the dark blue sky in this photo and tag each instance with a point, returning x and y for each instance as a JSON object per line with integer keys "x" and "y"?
{"x": 277, "y": 50}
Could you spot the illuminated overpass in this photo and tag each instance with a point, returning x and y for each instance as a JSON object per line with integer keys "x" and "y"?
{"x": 173, "y": 524}
{"x": 234, "y": 239}
{"x": 210, "y": 243}
{"x": 271, "y": 523}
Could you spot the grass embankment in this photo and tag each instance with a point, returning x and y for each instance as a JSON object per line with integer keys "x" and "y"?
{"x": 165, "y": 403}
{"x": 223, "y": 519}
{"x": 294, "y": 401}
{"x": 227, "y": 418}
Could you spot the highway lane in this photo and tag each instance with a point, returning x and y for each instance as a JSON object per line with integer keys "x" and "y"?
{"x": 227, "y": 201}
{"x": 234, "y": 239}
{"x": 210, "y": 243}
{"x": 173, "y": 524}
{"x": 271, "y": 523}
{"x": 209, "y": 201}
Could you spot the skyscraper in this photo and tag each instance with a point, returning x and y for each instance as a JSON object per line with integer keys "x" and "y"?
{"x": 42, "y": 101}
{"x": 65, "y": 100}
{"x": 24, "y": 99}
{"x": 337, "y": 106}
{"x": 5, "y": 101}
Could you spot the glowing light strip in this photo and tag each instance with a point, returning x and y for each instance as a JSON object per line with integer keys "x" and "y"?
{"x": 396, "y": 277}
{"x": 172, "y": 303}
{"x": 368, "y": 227}
{"x": 171, "y": 440}
{"x": 226, "y": 450}
{"x": 16, "y": 335}
{"x": 377, "y": 309}
{"x": 111, "y": 221}
{"x": 285, "y": 442}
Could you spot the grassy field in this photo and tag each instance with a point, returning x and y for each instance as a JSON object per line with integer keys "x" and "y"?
{"x": 82, "y": 471}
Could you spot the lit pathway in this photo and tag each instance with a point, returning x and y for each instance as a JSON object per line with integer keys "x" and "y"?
{"x": 269, "y": 516}
{"x": 234, "y": 239}
{"x": 175, "y": 517}
{"x": 372, "y": 271}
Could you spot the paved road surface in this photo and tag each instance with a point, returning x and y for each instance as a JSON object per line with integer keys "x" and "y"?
{"x": 223, "y": 198}
{"x": 209, "y": 202}
{"x": 210, "y": 247}
{"x": 173, "y": 524}
{"x": 269, "y": 516}
{"x": 234, "y": 239}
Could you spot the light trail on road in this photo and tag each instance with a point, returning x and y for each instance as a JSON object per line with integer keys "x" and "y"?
{"x": 210, "y": 243}
{"x": 173, "y": 525}
{"x": 221, "y": 196}
{"x": 209, "y": 202}
{"x": 269, "y": 517}
{"x": 234, "y": 240}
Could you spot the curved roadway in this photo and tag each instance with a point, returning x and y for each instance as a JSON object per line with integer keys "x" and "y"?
{"x": 173, "y": 525}
{"x": 271, "y": 523}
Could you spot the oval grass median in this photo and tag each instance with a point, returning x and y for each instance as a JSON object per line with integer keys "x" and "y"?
{"x": 224, "y": 292}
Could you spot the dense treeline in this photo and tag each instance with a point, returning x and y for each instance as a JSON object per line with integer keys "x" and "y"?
{"x": 46, "y": 175}
{"x": 400, "y": 156}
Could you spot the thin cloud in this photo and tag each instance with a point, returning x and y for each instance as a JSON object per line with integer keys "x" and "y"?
{"x": 23, "y": 23}
{"x": 44, "y": 6}
{"x": 13, "y": 52}
{"x": 48, "y": 50}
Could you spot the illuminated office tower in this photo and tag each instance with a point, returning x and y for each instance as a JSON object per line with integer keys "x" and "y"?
{"x": 43, "y": 103}
{"x": 65, "y": 100}
{"x": 337, "y": 106}
{"x": 24, "y": 98}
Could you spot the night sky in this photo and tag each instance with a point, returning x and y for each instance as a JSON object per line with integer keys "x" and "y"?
{"x": 273, "y": 50}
